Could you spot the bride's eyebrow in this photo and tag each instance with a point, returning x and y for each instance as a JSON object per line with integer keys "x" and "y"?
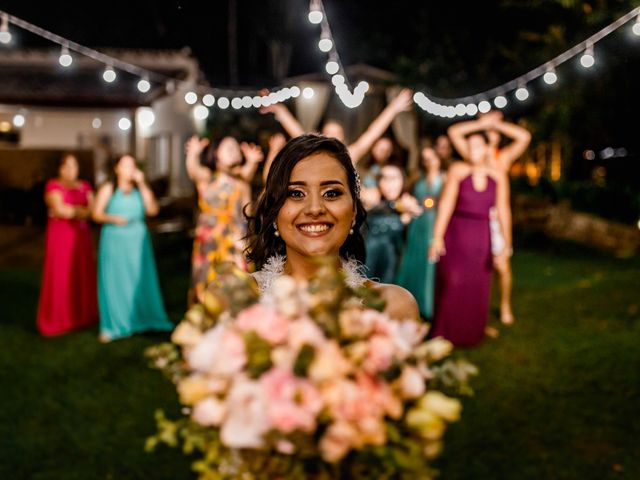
{"x": 322, "y": 184}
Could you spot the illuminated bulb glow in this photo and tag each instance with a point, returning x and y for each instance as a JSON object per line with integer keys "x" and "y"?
{"x": 144, "y": 85}
{"x": 550, "y": 77}
{"x": 200, "y": 112}
{"x": 124, "y": 124}
{"x": 429, "y": 202}
{"x": 636, "y": 28}
{"x": 500, "y": 101}
{"x": 295, "y": 91}
{"x": 332, "y": 67}
{"x": 19, "y": 120}
{"x": 191, "y": 98}
{"x": 209, "y": 100}
{"x": 484, "y": 106}
{"x": 587, "y": 60}
{"x": 315, "y": 16}
{"x": 65, "y": 58}
{"x": 96, "y": 123}
{"x": 236, "y": 103}
{"x": 325, "y": 44}
{"x": 109, "y": 75}
{"x": 472, "y": 109}
{"x": 5, "y": 35}
{"x": 522, "y": 94}
{"x": 146, "y": 117}
{"x": 223, "y": 103}
{"x": 308, "y": 92}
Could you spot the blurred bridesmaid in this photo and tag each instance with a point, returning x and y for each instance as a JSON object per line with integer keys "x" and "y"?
{"x": 68, "y": 293}
{"x": 129, "y": 294}
{"x": 462, "y": 243}
{"x": 416, "y": 273}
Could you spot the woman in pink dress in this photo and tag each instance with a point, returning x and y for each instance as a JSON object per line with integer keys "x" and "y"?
{"x": 68, "y": 293}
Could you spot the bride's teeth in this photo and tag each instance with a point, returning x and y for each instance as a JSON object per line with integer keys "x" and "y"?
{"x": 314, "y": 228}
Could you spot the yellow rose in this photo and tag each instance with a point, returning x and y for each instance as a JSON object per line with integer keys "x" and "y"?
{"x": 441, "y": 405}
{"x": 192, "y": 389}
{"x": 186, "y": 335}
{"x": 428, "y": 424}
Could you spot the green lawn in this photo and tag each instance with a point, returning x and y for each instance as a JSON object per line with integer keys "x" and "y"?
{"x": 558, "y": 395}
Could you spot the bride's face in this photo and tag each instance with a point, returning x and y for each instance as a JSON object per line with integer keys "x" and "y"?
{"x": 319, "y": 210}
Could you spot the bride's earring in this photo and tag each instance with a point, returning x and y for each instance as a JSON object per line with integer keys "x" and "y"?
{"x": 275, "y": 227}
{"x": 352, "y": 225}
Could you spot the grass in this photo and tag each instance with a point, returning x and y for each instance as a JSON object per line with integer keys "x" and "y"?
{"x": 558, "y": 395}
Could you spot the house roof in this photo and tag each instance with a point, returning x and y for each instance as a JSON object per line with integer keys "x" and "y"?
{"x": 34, "y": 77}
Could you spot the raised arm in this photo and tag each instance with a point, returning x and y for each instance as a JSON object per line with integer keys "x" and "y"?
{"x": 149, "y": 201}
{"x": 447, "y": 204}
{"x": 193, "y": 148}
{"x": 363, "y": 144}
{"x": 520, "y": 141}
{"x": 100, "y": 205}
{"x": 285, "y": 118}
{"x": 253, "y": 156}
{"x": 276, "y": 142}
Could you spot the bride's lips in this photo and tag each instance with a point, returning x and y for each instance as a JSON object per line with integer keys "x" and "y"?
{"x": 316, "y": 229}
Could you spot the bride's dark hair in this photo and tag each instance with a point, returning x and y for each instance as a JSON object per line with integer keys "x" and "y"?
{"x": 262, "y": 241}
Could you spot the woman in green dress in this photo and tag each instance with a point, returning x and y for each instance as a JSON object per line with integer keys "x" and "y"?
{"x": 129, "y": 297}
{"x": 416, "y": 274}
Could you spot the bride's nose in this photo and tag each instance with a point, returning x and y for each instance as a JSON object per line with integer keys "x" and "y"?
{"x": 315, "y": 205}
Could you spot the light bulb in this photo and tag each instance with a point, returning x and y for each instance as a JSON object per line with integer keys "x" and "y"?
{"x": 636, "y": 27}
{"x": 550, "y": 77}
{"x": 209, "y": 100}
{"x": 522, "y": 94}
{"x": 146, "y": 117}
{"x": 65, "y": 58}
{"x": 247, "y": 101}
{"x": 325, "y": 44}
{"x": 472, "y": 109}
{"x": 295, "y": 91}
{"x": 315, "y": 12}
{"x": 124, "y": 123}
{"x": 332, "y": 67}
{"x": 363, "y": 87}
{"x": 5, "y": 34}
{"x": 236, "y": 103}
{"x": 587, "y": 60}
{"x": 96, "y": 123}
{"x": 308, "y": 92}
{"x": 191, "y": 98}
{"x": 200, "y": 112}
{"x": 257, "y": 101}
{"x": 223, "y": 103}
{"x": 484, "y": 106}
{"x": 19, "y": 120}
{"x": 461, "y": 109}
{"x": 109, "y": 75}
{"x": 500, "y": 101}
{"x": 144, "y": 85}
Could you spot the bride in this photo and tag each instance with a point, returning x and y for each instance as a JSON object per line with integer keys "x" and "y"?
{"x": 311, "y": 207}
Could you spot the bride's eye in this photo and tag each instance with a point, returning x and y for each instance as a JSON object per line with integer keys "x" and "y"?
{"x": 295, "y": 193}
{"x": 333, "y": 193}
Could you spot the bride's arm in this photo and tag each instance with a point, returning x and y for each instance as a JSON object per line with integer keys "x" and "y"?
{"x": 400, "y": 304}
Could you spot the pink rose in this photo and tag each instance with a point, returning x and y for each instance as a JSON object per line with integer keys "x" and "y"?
{"x": 411, "y": 383}
{"x": 305, "y": 331}
{"x": 246, "y": 422}
{"x": 339, "y": 438}
{"x": 329, "y": 363}
{"x": 292, "y": 403}
{"x": 265, "y": 321}
{"x": 380, "y": 354}
{"x": 209, "y": 412}
{"x": 356, "y": 323}
{"x": 219, "y": 353}
{"x": 408, "y": 335}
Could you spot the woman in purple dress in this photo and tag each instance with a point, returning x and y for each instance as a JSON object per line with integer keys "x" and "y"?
{"x": 462, "y": 244}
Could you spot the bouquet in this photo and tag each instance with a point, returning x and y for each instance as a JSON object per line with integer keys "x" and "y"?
{"x": 309, "y": 381}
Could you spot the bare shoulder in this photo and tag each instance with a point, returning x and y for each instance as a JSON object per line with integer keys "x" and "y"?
{"x": 105, "y": 189}
{"x": 458, "y": 170}
{"x": 498, "y": 174}
{"x": 400, "y": 304}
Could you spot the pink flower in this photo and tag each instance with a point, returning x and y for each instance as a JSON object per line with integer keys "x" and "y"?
{"x": 265, "y": 321}
{"x": 305, "y": 331}
{"x": 356, "y": 323}
{"x": 209, "y": 412}
{"x": 329, "y": 363}
{"x": 411, "y": 383}
{"x": 380, "y": 354}
{"x": 292, "y": 403}
{"x": 246, "y": 422}
{"x": 220, "y": 352}
{"x": 408, "y": 335}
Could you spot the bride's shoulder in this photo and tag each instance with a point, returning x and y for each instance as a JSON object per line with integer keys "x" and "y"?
{"x": 400, "y": 304}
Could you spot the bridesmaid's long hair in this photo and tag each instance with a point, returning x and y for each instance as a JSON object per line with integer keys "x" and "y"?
{"x": 263, "y": 242}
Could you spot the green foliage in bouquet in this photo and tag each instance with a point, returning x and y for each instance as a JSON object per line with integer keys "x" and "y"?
{"x": 311, "y": 381}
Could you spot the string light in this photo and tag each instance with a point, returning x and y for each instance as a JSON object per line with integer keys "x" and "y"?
{"x": 587, "y": 59}
{"x": 295, "y": 91}
{"x": 209, "y": 100}
{"x": 146, "y": 117}
{"x": 332, "y": 67}
{"x": 200, "y": 112}
{"x": 522, "y": 93}
{"x": 223, "y": 103}
{"x": 500, "y": 101}
{"x": 5, "y": 34}
{"x": 308, "y": 92}
{"x": 550, "y": 76}
{"x": 65, "y": 58}
{"x": 325, "y": 44}
{"x": 143, "y": 85}
{"x": 236, "y": 103}
{"x": 96, "y": 123}
{"x": 124, "y": 124}
{"x": 109, "y": 74}
{"x": 636, "y": 27}
{"x": 190, "y": 97}
{"x": 19, "y": 120}
{"x": 472, "y": 109}
{"x": 315, "y": 12}
{"x": 484, "y": 106}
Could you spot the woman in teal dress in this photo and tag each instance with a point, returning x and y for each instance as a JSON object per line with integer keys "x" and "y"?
{"x": 129, "y": 297}
{"x": 416, "y": 274}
